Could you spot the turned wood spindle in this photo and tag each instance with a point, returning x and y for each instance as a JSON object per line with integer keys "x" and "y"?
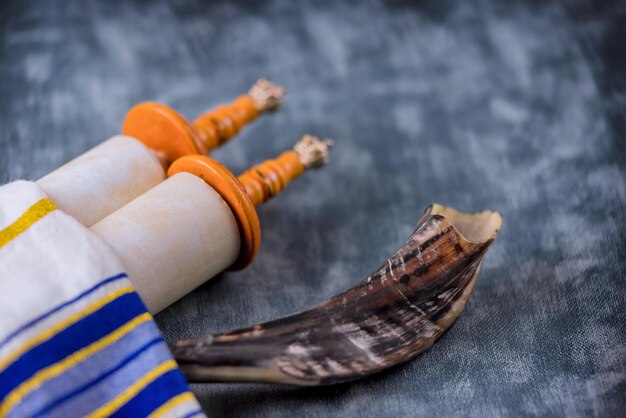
{"x": 172, "y": 136}
{"x": 266, "y": 180}
{"x": 218, "y": 125}
{"x": 255, "y": 186}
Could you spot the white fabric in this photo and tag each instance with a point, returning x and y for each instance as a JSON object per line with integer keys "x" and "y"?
{"x": 54, "y": 246}
{"x": 75, "y": 338}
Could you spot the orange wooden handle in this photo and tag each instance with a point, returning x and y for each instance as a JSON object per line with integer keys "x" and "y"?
{"x": 167, "y": 132}
{"x": 226, "y": 184}
{"x": 218, "y": 125}
{"x": 266, "y": 180}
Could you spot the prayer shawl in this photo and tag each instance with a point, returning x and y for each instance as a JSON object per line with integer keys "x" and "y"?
{"x": 75, "y": 338}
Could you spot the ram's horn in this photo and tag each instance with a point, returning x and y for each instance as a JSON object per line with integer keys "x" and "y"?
{"x": 390, "y": 317}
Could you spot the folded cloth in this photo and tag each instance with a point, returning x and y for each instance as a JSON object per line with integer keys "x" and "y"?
{"x": 75, "y": 338}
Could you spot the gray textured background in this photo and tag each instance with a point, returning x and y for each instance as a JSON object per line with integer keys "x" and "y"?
{"x": 514, "y": 106}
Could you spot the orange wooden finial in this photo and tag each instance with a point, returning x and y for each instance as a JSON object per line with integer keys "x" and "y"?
{"x": 164, "y": 130}
{"x": 266, "y": 180}
{"x": 226, "y": 184}
{"x": 255, "y": 186}
{"x": 218, "y": 125}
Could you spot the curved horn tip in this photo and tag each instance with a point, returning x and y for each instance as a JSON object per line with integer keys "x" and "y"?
{"x": 475, "y": 227}
{"x": 409, "y": 302}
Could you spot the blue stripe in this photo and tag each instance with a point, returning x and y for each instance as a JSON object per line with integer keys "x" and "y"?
{"x": 63, "y": 305}
{"x": 161, "y": 390}
{"x": 88, "y": 370}
{"x": 89, "y": 329}
{"x": 106, "y": 390}
{"x": 194, "y": 413}
{"x": 97, "y": 380}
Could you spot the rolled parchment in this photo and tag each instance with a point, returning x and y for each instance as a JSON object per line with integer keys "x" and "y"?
{"x": 172, "y": 238}
{"x": 105, "y": 178}
{"x": 199, "y": 222}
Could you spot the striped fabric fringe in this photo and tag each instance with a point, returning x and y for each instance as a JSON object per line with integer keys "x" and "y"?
{"x": 75, "y": 338}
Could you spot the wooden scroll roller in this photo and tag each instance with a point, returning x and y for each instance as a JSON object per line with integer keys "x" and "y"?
{"x": 123, "y": 167}
{"x": 199, "y": 222}
{"x": 165, "y": 130}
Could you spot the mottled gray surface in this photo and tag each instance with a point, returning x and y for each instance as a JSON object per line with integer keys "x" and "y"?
{"x": 514, "y": 106}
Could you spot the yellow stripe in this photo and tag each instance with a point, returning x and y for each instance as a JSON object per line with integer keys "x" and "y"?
{"x": 121, "y": 399}
{"x": 56, "y": 328}
{"x": 37, "y": 211}
{"x": 172, "y": 403}
{"x": 16, "y": 396}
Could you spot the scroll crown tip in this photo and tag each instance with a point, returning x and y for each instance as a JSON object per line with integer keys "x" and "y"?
{"x": 267, "y": 96}
{"x": 312, "y": 151}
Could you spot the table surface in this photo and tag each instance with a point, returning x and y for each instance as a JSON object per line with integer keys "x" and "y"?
{"x": 514, "y": 106}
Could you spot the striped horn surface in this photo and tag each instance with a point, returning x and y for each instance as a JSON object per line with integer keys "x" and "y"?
{"x": 390, "y": 317}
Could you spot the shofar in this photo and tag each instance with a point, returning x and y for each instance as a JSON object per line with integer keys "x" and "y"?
{"x": 199, "y": 222}
{"x": 123, "y": 167}
{"x": 390, "y": 317}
